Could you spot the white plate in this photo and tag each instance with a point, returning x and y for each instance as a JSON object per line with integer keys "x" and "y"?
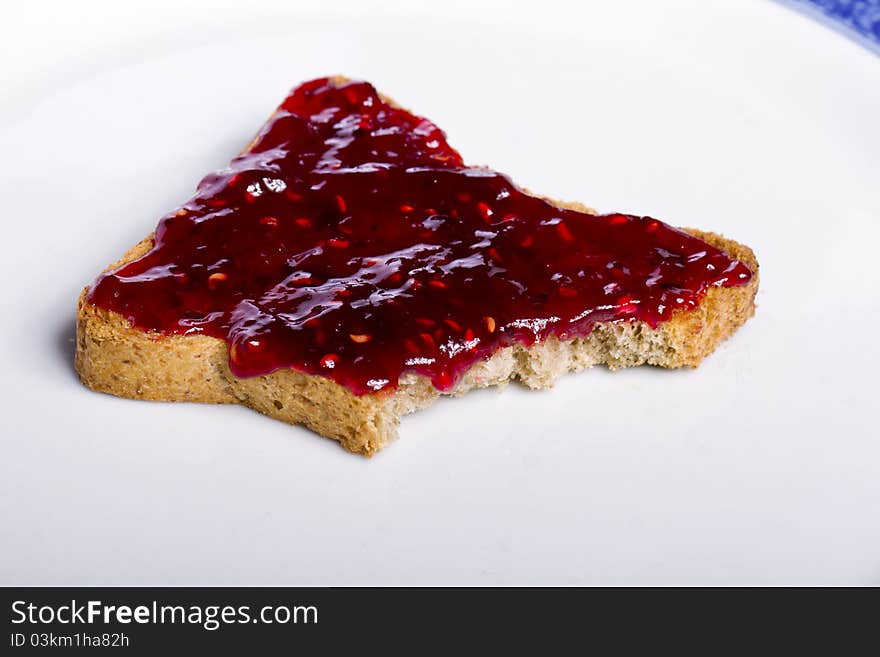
{"x": 762, "y": 466}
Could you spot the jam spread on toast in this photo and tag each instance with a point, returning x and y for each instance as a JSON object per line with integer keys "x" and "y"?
{"x": 350, "y": 240}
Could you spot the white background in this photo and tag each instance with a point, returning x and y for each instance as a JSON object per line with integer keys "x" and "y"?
{"x": 760, "y": 467}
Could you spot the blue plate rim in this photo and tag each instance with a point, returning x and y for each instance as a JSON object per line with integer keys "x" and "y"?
{"x": 858, "y": 20}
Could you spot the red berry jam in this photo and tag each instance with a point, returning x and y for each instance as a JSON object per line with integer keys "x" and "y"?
{"x": 350, "y": 240}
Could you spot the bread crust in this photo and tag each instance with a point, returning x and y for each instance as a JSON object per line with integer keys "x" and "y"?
{"x": 116, "y": 358}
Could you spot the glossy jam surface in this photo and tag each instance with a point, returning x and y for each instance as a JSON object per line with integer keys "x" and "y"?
{"x": 350, "y": 240}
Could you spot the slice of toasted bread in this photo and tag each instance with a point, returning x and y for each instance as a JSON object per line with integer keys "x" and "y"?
{"x": 114, "y": 357}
